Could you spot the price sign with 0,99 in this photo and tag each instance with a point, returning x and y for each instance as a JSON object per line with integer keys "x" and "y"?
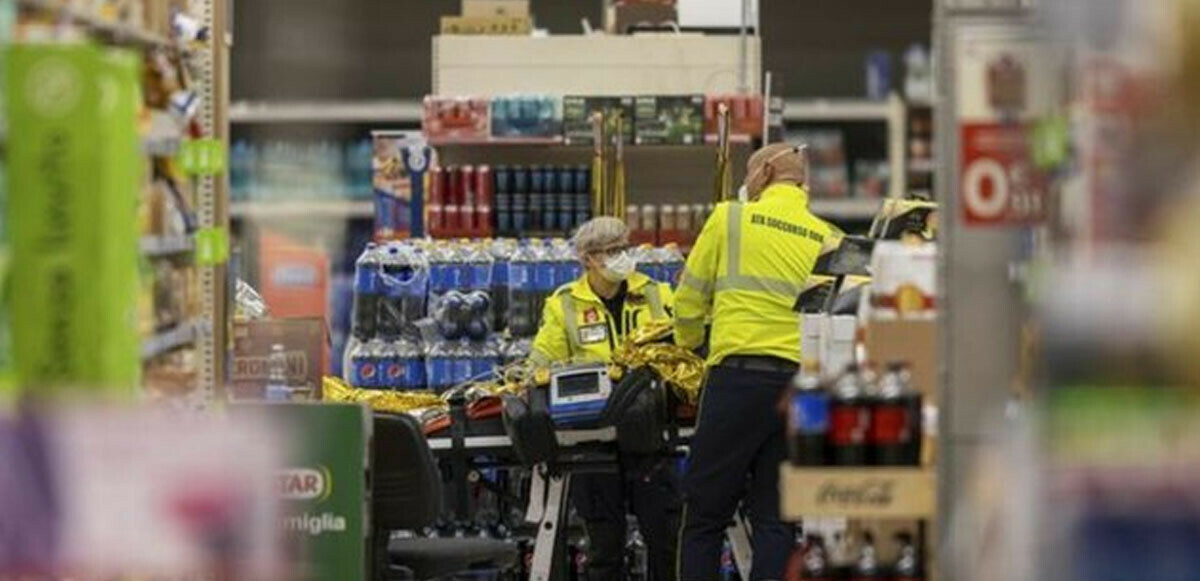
{"x": 998, "y": 183}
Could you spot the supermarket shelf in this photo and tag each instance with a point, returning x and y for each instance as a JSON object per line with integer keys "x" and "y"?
{"x": 178, "y": 336}
{"x": 332, "y": 209}
{"x": 399, "y": 111}
{"x": 837, "y": 110}
{"x": 159, "y": 246}
{"x": 118, "y": 31}
{"x": 921, "y": 166}
{"x": 845, "y": 209}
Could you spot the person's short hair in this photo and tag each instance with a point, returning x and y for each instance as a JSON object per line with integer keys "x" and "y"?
{"x": 599, "y": 233}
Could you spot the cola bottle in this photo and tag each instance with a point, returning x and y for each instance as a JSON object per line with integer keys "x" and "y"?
{"x": 461, "y": 355}
{"x": 648, "y": 262}
{"x": 850, "y": 419}
{"x": 908, "y": 565}
{"x": 522, "y": 318}
{"x": 896, "y": 419}
{"x": 364, "y": 365}
{"x": 439, "y": 366}
{"x": 808, "y": 420}
{"x": 501, "y": 251}
{"x": 814, "y": 565}
{"x": 394, "y": 274}
{"x": 366, "y": 294}
{"x": 583, "y": 194}
{"x": 412, "y": 364}
{"x": 537, "y": 194}
{"x": 866, "y": 568}
{"x": 388, "y": 364}
{"x": 545, "y": 267}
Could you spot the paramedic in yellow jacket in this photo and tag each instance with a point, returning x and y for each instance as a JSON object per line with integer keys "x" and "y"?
{"x": 747, "y": 268}
{"x": 585, "y": 321}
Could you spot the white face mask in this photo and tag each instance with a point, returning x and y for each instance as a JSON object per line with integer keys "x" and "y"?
{"x": 619, "y": 266}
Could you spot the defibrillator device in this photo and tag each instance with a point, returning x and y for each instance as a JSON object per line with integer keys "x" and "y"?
{"x": 579, "y": 394}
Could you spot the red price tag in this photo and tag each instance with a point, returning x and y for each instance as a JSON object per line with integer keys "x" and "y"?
{"x": 999, "y": 184}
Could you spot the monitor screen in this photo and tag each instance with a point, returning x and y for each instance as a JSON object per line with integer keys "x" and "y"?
{"x": 578, "y": 384}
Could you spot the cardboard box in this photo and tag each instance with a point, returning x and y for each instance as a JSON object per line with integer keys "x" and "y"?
{"x": 304, "y": 342}
{"x": 857, "y": 492}
{"x": 293, "y": 277}
{"x": 671, "y": 120}
{"x": 577, "y": 116}
{"x": 487, "y": 25}
{"x": 501, "y": 8}
{"x": 911, "y": 341}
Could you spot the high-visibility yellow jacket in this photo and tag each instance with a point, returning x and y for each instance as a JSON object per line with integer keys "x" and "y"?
{"x": 745, "y": 271}
{"x": 577, "y": 327}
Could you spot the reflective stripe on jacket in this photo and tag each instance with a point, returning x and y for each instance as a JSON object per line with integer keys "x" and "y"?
{"x": 744, "y": 273}
{"x": 577, "y": 327}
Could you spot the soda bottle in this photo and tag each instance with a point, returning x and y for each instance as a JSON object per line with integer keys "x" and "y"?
{"x": 436, "y": 200}
{"x": 415, "y": 289}
{"x": 841, "y": 557}
{"x": 501, "y": 251}
{"x": 412, "y": 364}
{"x": 520, "y": 200}
{"x": 808, "y": 420}
{"x": 908, "y": 565}
{"x": 451, "y": 201}
{"x": 550, "y": 198}
{"x": 866, "y": 568}
{"x": 896, "y": 419}
{"x": 363, "y": 368}
{"x": 515, "y": 350}
{"x": 502, "y": 186}
{"x": 484, "y": 199}
{"x": 566, "y": 199}
{"x": 479, "y": 268}
{"x": 477, "y": 317}
{"x": 388, "y": 363}
{"x": 522, "y": 320}
{"x": 393, "y": 275}
{"x": 728, "y": 570}
{"x": 277, "y": 385}
{"x": 461, "y": 354}
{"x": 537, "y": 192}
{"x": 468, "y": 200}
{"x": 544, "y": 269}
{"x": 439, "y": 367}
{"x": 637, "y": 568}
{"x": 365, "y": 309}
{"x": 583, "y": 194}
{"x": 672, "y": 262}
{"x": 487, "y": 358}
{"x": 439, "y": 269}
{"x": 458, "y": 273}
{"x": 850, "y": 419}
{"x": 814, "y": 564}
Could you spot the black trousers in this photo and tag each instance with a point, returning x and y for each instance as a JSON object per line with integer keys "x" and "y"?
{"x": 735, "y": 455}
{"x": 649, "y": 486}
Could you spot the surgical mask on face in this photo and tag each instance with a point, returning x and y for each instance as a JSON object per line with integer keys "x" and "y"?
{"x": 619, "y": 266}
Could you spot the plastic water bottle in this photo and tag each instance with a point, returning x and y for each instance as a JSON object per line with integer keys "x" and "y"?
{"x": 671, "y": 263}
{"x": 367, "y": 290}
{"x": 516, "y": 350}
{"x": 439, "y": 269}
{"x": 362, "y": 369}
{"x": 277, "y": 388}
{"x": 564, "y": 263}
{"x": 583, "y": 194}
{"x": 387, "y": 358}
{"x": 522, "y": 319}
{"x": 360, "y": 157}
{"x": 458, "y": 271}
{"x": 240, "y": 166}
{"x": 479, "y": 268}
{"x": 486, "y": 358}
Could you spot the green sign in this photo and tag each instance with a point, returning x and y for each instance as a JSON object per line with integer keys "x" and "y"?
{"x": 212, "y": 246}
{"x": 323, "y": 488}
{"x": 202, "y": 157}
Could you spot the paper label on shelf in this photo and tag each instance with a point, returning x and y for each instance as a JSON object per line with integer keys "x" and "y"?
{"x": 202, "y": 157}
{"x": 212, "y": 246}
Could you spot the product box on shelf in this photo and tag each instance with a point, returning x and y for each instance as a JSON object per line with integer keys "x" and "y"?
{"x": 73, "y": 276}
{"x": 455, "y": 119}
{"x": 904, "y": 285}
{"x": 914, "y": 342}
{"x": 293, "y": 277}
{"x": 577, "y": 116}
{"x": 487, "y": 25}
{"x": 500, "y": 8}
{"x": 304, "y": 343}
{"x": 535, "y": 117}
{"x": 669, "y": 119}
{"x": 400, "y": 162}
{"x": 745, "y": 116}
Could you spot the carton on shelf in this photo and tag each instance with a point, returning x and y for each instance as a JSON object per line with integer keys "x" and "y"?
{"x": 499, "y": 8}
{"x": 487, "y": 25}
{"x": 304, "y": 342}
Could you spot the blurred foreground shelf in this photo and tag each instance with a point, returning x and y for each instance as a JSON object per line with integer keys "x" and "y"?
{"x": 160, "y": 246}
{"x": 877, "y": 492}
{"x": 117, "y": 31}
{"x": 180, "y": 335}
{"x": 382, "y": 111}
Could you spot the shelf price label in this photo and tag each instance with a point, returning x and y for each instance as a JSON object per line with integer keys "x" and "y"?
{"x": 999, "y": 183}
{"x": 203, "y": 157}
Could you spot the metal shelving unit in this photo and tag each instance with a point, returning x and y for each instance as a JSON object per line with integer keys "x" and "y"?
{"x": 383, "y": 111}
{"x": 181, "y": 335}
{"x": 330, "y": 209}
{"x": 118, "y": 32}
{"x": 161, "y": 246}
